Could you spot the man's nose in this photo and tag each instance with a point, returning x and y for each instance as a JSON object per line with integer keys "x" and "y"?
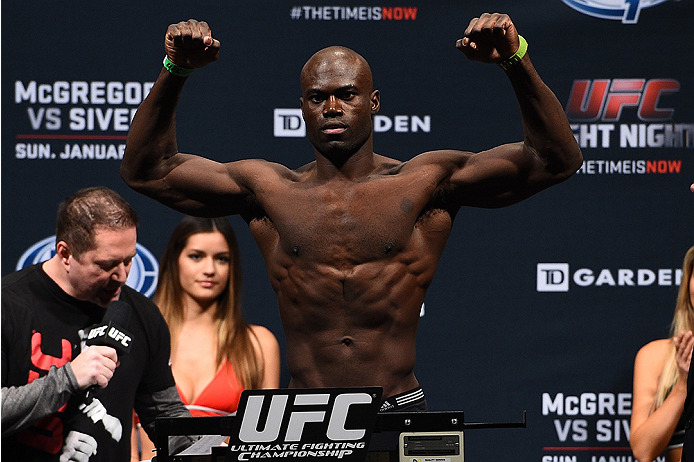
{"x": 121, "y": 273}
{"x": 332, "y": 106}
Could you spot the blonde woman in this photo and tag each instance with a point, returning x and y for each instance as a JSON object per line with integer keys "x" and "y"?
{"x": 661, "y": 369}
{"x": 215, "y": 355}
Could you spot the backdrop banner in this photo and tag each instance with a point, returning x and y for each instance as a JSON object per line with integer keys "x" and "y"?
{"x": 540, "y": 306}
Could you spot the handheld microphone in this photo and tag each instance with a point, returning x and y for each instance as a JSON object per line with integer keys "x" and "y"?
{"x": 111, "y": 332}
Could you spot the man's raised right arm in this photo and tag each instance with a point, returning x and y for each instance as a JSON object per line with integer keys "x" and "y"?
{"x": 152, "y": 164}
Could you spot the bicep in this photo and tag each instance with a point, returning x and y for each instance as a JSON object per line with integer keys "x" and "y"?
{"x": 500, "y": 176}
{"x": 200, "y": 186}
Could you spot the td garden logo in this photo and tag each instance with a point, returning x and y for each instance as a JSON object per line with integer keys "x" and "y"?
{"x": 557, "y": 277}
{"x": 552, "y": 277}
{"x": 143, "y": 273}
{"x": 289, "y": 123}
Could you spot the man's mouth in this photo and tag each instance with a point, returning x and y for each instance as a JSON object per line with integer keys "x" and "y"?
{"x": 333, "y": 129}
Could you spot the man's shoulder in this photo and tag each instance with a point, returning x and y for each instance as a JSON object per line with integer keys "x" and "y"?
{"x": 22, "y": 297}
{"x": 262, "y": 167}
{"x": 138, "y": 300}
{"x": 388, "y": 165}
{"x": 296, "y": 175}
{"x": 440, "y": 157}
{"x": 20, "y": 282}
{"x": 306, "y": 168}
{"x": 145, "y": 312}
{"x": 263, "y": 175}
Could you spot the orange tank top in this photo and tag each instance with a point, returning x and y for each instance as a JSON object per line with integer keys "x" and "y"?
{"x": 220, "y": 397}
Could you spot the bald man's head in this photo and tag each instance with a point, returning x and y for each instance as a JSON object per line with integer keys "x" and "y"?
{"x": 337, "y": 102}
{"x": 336, "y": 61}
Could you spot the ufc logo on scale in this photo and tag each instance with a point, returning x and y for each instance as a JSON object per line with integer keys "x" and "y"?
{"x": 336, "y": 430}
{"x": 318, "y": 424}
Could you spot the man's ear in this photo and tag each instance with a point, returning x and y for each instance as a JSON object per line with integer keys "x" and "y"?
{"x": 63, "y": 251}
{"x": 375, "y": 101}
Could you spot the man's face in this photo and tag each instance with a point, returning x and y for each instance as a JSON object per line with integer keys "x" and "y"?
{"x": 99, "y": 274}
{"x": 337, "y": 104}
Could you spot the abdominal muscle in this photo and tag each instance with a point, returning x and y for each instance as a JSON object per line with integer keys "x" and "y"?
{"x": 350, "y": 286}
{"x": 351, "y": 327}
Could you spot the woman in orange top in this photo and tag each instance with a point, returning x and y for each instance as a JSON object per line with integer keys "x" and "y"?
{"x": 215, "y": 355}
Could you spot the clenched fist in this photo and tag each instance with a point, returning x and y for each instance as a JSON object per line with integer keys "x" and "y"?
{"x": 190, "y": 44}
{"x": 491, "y": 38}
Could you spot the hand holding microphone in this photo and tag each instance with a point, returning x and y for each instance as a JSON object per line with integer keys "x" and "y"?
{"x": 95, "y": 366}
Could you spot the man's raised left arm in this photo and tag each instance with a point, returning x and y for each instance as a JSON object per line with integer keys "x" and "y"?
{"x": 549, "y": 152}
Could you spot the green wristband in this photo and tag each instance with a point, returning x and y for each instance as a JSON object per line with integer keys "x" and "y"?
{"x": 175, "y": 69}
{"x": 516, "y": 57}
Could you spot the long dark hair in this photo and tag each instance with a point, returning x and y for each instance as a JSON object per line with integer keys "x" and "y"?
{"x": 234, "y": 342}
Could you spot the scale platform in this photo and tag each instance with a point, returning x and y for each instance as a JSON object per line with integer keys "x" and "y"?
{"x": 320, "y": 425}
